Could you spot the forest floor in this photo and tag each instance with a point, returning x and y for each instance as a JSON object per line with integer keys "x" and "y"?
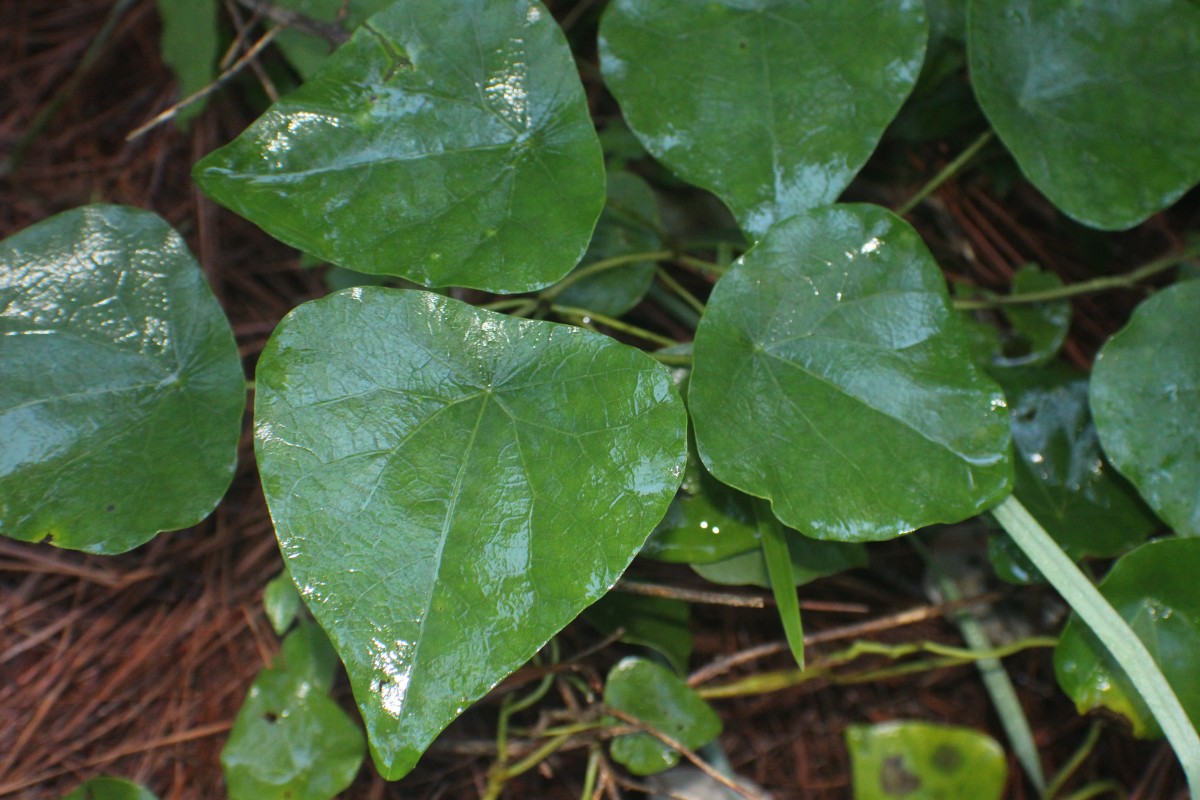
{"x": 136, "y": 665}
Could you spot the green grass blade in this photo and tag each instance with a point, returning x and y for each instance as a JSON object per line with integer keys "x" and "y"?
{"x": 1110, "y": 628}
{"x": 783, "y": 584}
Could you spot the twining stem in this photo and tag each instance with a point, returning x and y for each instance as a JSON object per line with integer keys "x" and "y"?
{"x": 585, "y": 316}
{"x": 786, "y": 679}
{"x": 603, "y": 265}
{"x": 676, "y": 287}
{"x": 1074, "y": 763}
{"x": 1124, "y": 281}
{"x": 1110, "y": 628}
{"x": 947, "y": 172}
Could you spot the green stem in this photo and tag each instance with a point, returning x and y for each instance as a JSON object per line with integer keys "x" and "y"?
{"x": 676, "y": 287}
{"x": 601, "y": 266}
{"x": 1074, "y": 763}
{"x": 1110, "y": 628}
{"x": 700, "y": 264}
{"x": 1126, "y": 280}
{"x": 672, "y": 359}
{"x": 524, "y": 304}
{"x": 585, "y": 315}
{"x": 948, "y": 172}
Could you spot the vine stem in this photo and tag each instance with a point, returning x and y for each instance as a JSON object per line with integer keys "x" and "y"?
{"x": 947, "y": 172}
{"x": 602, "y": 265}
{"x": 1124, "y": 281}
{"x": 1112, "y": 630}
{"x": 585, "y": 316}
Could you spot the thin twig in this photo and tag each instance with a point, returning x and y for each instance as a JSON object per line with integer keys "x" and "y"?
{"x": 331, "y": 32}
{"x": 690, "y": 595}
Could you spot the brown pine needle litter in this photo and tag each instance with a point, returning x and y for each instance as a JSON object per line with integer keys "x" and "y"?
{"x": 136, "y": 665}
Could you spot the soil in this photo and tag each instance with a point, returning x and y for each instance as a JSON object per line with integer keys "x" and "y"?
{"x": 136, "y": 665}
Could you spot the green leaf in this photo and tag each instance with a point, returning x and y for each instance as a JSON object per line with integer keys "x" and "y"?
{"x": 1097, "y": 101}
{"x": 190, "y": 46}
{"x": 778, "y": 560}
{"x": 446, "y": 143}
{"x": 627, "y": 226}
{"x": 811, "y": 559}
{"x": 924, "y": 761}
{"x": 105, "y": 788}
{"x": 281, "y": 601}
{"x": 1154, "y": 589}
{"x": 1038, "y": 329}
{"x": 306, "y": 52}
{"x": 707, "y": 520}
{"x": 655, "y": 696}
{"x": 774, "y": 107}
{"x": 290, "y": 741}
{"x": 659, "y": 623}
{"x": 121, "y": 389}
{"x": 450, "y": 487}
{"x": 832, "y": 378}
{"x": 1062, "y": 477}
{"x": 1145, "y": 396}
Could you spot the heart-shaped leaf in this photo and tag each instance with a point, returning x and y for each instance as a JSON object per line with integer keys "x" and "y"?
{"x": 1154, "y": 589}
{"x": 1097, "y": 101}
{"x": 450, "y": 487}
{"x": 924, "y": 761}
{"x": 446, "y": 143}
{"x": 655, "y": 696}
{"x": 1062, "y": 477}
{"x": 121, "y": 389}
{"x": 774, "y": 107}
{"x": 832, "y": 378}
{"x": 1145, "y": 396}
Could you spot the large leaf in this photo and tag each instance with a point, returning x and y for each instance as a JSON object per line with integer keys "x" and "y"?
{"x": 832, "y": 378}
{"x": 655, "y": 696}
{"x": 450, "y": 487}
{"x": 121, "y": 390}
{"x": 446, "y": 143}
{"x": 1097, "y": 101}
{"x": 1154, "y": 589}
{"x": 924, "y": 761}
{"x": 1063, "y": 478}
{"x": 1145, "y": 396}
{"x": 290, "y": 741}
{"x": 773, "y": 106}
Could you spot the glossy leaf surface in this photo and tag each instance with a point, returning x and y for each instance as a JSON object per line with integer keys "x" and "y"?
{"x": 105, "y": 788}
{"x": 290, "y": 740}
{"x": 121, "y": 389}
{"x": 924, "y": 761}
{"x": 450, "y": 487}
{"x": 1154, "y": 589}
{"x": 1062, "y": 477}
{"x": 445, "y": 143}
{"x": 1145, "y": 396}
{"x": 832, "y": 378}
{"x": 811, "y": 559}
{"x": 659, "y": 623}
{"x": 775, "y": 106}
{"x": 655, "y": 696}
{"x": 627, "y": 226}
{"x": 1097, "y": 101}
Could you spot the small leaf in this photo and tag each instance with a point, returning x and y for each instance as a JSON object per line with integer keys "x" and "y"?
{"x": 1038, "y": 329}
{"x": 445, "y": 143}
{"x": 659, "y": 623}
{"x": 1154, "y": 588}
{"x": 924, "y": 761}
{"x": 811, "y": 559}
{"x": 832, "y": 378}
{"x": 1062, "y": 477}
{"x": 105, "y": 788}
{"x": 707, "y": 521}
{"x": 1097, "y": 101}
{"x": 658, "y": 698}
{"x": 774, "y": 107}
{"x": 450, "y": 487}
{"x": 281, "y": 601}
{"x": 1145, "y": 396}
{"x": 627, "y": 226}
{"x": 190, "y": 47}
{"x": 121, "y": 389}
{"x": 290, "y": 741}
